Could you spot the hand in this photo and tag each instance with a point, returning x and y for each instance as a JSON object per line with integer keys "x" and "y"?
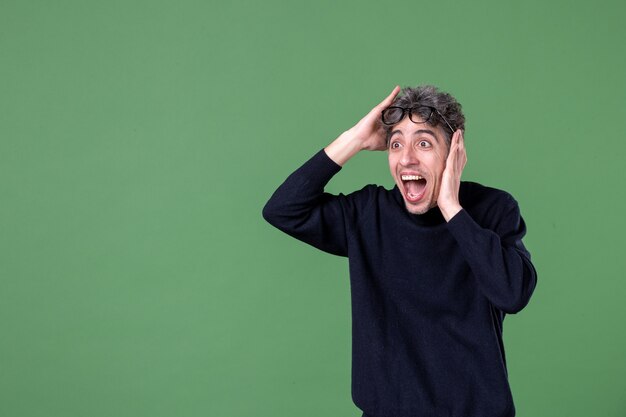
{"x": 448, "y": 199}
{"x": 369, "y": 130}
{"x": 368, "y": 134}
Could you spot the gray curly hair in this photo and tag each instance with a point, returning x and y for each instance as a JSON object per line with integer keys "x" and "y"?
{"x": 429, "y": 95}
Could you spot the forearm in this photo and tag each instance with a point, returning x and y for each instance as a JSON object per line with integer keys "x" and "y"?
{"x": 298, "y": 193}
{"x": 503, "y": 270}
{"x": 343, "y": 148}
{"x": 301, "y": 208}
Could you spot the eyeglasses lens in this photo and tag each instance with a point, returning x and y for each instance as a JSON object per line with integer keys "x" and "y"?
{"x": 420, "y": 114}
{"x": 393, "y": 115}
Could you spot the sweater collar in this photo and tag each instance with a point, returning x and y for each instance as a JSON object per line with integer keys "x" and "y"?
{"x": 431, "y": 218}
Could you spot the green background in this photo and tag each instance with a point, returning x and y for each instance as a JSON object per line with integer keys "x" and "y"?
{"x": 139, "y": 141}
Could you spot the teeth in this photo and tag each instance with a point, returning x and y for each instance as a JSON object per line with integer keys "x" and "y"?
{"x": 411, "y": 177}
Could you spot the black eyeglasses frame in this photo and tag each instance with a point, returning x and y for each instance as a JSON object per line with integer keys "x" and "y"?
{"x": 410, "y": 110}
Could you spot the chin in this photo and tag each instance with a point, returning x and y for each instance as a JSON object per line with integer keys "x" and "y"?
{"x": 417, "y": 208}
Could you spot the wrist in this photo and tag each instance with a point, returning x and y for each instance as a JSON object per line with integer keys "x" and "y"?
{"x": 450, "y": 210}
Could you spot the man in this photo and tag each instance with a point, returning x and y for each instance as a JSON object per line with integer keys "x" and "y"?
{"x": 435, "y": 263}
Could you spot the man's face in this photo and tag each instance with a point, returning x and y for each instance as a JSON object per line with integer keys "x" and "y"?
{"x": 417, "y": 158}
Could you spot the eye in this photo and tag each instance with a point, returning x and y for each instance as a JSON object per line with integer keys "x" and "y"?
{"x": 423, "y": 144}
{"x": 394, "y": 145}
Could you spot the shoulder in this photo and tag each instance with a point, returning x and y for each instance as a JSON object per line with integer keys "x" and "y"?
{"x": 369, "y": 200}
{"x": 369, "y": 191}
{"x": 368, "y": 194}
{"x": 487, "y": 205}
{"x": 473, "y": 193}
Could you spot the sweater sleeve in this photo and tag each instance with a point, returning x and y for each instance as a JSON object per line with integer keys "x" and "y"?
{"x": 498, "y": 258}
{"x": 301, "y": 208}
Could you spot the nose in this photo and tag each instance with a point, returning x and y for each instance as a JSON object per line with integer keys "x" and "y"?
{"x": 409, "y": 156}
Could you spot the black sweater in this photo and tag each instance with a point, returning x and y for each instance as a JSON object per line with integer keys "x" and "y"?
{"x": 428, "y": 297}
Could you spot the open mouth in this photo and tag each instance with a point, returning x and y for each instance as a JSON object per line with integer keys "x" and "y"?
{"x": 414, "y": 187}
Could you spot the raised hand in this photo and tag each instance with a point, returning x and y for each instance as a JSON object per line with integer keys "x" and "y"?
{"x": 368, "y": 134}
{"x": 448, "y": 199}
{"x": 369, "y": 130}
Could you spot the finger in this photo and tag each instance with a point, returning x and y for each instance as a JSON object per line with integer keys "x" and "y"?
{"x": 462, "y": 160}
{"x": 389, "y": 99}
{"x": 462, "y": 141}
{"x": 463, "y": 150}
{"x": 457, "y": 136}
{"x": 454, "y": 143}
{"x": 459, "y": 139}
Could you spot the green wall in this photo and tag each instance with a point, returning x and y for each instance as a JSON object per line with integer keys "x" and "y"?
{"x": 139, "y": 141}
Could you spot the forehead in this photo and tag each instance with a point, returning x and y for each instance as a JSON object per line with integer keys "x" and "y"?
{"x": 407, "y": 129}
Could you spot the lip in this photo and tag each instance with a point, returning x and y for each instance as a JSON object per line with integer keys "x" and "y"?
{"x": 416, "y": 198}
{"x": 410, "y": 173}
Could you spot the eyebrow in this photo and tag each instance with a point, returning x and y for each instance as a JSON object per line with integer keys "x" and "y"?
{"x": 417, "y": 132}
